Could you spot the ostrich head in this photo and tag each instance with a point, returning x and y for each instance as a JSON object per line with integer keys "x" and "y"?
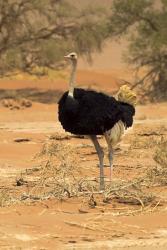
{"x": 72, "y": 57}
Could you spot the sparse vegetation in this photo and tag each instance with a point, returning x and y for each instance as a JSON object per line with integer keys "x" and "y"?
{"x": 5, "y": 198}
{"x": 58, "y": 174}
{"x": 161, "y": 154}
{"x": 158, "y": 175}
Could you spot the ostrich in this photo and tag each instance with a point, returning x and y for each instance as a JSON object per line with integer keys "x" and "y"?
{"x": 91, "y": 113}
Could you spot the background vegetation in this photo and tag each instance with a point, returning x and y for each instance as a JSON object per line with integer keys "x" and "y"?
{"x": 144, "y": 24}
{"x": 37, "y": 33}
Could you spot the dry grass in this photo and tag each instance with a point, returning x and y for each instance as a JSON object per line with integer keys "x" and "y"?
{"x": 59, "y": 177}
{"x": 145, "y": 143}
{"x": 161, "y": 154}
{"x": 131, "y": 192}
{"x": 158, "y": 175}
{"x": 57, "y": 174}
{"x": 5, "y": 198}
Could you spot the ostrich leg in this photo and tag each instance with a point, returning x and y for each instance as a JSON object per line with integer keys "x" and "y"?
{"x": 110, "y": 158}
{"x": 110, "y": 154}
{"x": 101, "y": 157}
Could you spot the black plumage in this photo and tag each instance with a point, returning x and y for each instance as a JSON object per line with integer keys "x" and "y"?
{"x": 92, "y": 113}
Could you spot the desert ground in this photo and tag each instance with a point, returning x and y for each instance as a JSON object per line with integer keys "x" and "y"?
{"x": 49, "y": 179}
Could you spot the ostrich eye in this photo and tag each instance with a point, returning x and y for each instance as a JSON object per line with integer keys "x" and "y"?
{"x": 72, "y": 55}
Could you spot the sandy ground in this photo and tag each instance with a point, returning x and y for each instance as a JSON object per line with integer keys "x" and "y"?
{"x": 30, "y": 222}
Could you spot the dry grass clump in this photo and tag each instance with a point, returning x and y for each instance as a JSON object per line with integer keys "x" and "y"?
{"x": 51, "y": 149}
{"x": 60, "y": 136}
{"x": 148, "y": 137}
{"x": 131, "y": 192}
{"x": 137, "y": 191}
{"x": 59, "y": 173}
{"x": 161, "y": 154}
{"x": 150, "y": 130}
{"x": 158, "y": 175}
{"x": 139, "y": 142}
{"x": 5, "y": 198}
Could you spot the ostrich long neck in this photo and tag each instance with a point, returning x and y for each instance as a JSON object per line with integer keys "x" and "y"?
{"x": 72, "y": 79}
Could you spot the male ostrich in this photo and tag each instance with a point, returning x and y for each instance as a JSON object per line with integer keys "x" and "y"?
{"x": 87, "y": 112}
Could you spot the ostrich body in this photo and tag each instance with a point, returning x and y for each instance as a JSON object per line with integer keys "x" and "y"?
{"x": 87, "y": 112}
{"x": 92, "y": 113}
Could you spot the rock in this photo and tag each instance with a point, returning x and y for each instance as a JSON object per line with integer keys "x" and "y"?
{"x": 15, "y": 104}
{"x": 21, "y": 140}
{"x": 25, "y": 103}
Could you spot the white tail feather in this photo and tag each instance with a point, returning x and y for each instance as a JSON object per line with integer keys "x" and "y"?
{"x": 114, "y": 135}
